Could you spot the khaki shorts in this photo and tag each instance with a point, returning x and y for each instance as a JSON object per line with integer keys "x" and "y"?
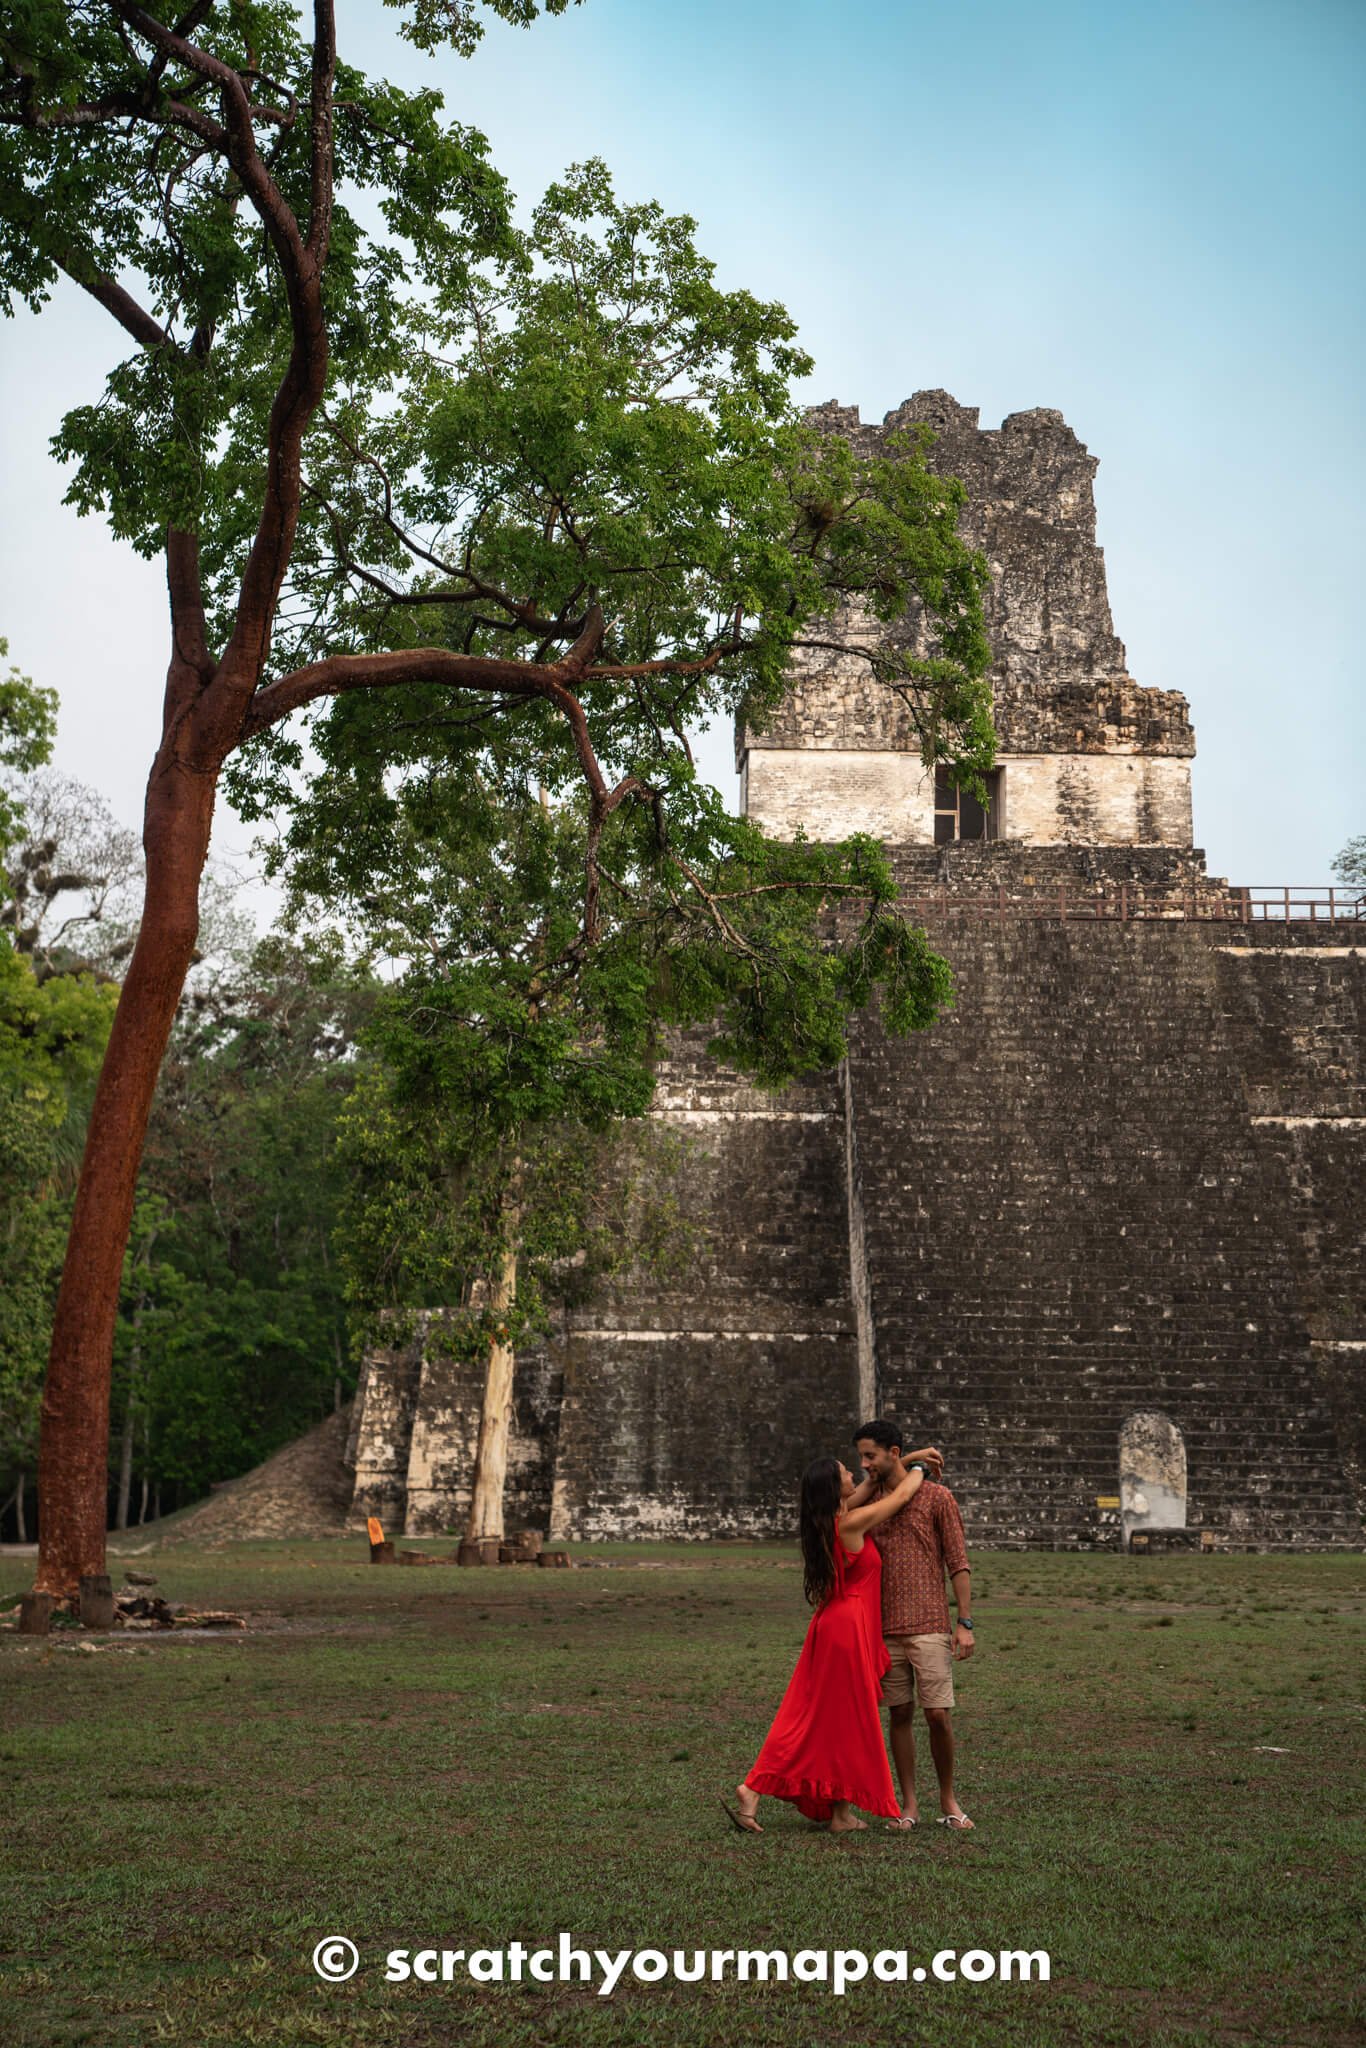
{"x": 921, "y": 1665}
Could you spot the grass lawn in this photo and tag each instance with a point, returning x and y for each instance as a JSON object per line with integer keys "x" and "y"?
{"x": 1161, "y": 1756}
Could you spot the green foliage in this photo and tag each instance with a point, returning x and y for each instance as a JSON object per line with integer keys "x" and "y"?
{"x": 233, "y": 1297}
{"x": 425, "y": 1221}
{"x": 523, "y": 429}
{"x": 52, "y": 1038}
{"x": 104, "y": 175}
{"x": 232, "y": 1332}
{"x": 593, "y": 421}
{"x": 532, "y": 438}
{"x": 506, "y": 1053}
{"x": 459, "y": 23}
{"x": 1350, "y": 864}
{"x": 597, "y": 423}
{"x": 28, "y": 728}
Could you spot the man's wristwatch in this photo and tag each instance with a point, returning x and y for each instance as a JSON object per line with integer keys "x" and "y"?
{"x": 963, "y": 1622}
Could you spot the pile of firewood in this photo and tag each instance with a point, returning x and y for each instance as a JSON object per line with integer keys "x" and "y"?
{"x": 136, "y": 1608}
{"x": 135, "y": 1605}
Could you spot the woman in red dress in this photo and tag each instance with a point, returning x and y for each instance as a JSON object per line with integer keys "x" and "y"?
{"x": 825, "y": 1751}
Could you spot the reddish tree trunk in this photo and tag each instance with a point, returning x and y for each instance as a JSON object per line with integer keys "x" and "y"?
{"x": 73, "y": 1459}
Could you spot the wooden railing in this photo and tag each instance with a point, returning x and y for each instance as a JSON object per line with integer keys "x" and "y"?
{"x": 1127, "y": 902}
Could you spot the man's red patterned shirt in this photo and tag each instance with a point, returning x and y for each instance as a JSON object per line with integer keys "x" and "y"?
{"x": 919, "y": 1544}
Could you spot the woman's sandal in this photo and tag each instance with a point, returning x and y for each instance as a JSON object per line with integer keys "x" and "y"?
{"x": 902, "y": 1826}
{"x": 956, "y": 1823}
{"x": 746, "y": 1822}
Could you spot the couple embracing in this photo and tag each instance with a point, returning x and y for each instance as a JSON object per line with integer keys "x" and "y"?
{"x": 874, "y": 1555}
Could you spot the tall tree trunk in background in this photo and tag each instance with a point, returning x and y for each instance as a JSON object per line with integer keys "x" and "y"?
{"x": 73, "y": 1458}
{"x": 130, "y": 1412}
{"x": 126, "y": 1453}
{"x": 126, "y": 1447}
{"x": 495, "y": 1418}
{"x": 20, "y": 1525}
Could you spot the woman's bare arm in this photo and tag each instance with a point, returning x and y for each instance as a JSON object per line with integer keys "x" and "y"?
{"x": 858, "y": 1521}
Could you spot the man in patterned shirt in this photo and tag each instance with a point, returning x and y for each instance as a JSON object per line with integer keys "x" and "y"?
{"x": 918, "y": 1546}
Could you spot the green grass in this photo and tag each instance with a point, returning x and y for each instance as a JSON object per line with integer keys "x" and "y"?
{"x": 438, "y": 1758}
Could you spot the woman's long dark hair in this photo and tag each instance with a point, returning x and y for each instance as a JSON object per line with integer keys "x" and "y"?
{"x": 820, "y": 1505}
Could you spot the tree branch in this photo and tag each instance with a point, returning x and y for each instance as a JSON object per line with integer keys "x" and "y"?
{"x": 189, "y": 627}
{"x": 612, "y": 672}
{"x": 341, "y": 673}
{"x": 132, "y": 317}
{"x": 238, "y": 133}
{"x": 301, "y": 388}
{"x": 321, "y": 119}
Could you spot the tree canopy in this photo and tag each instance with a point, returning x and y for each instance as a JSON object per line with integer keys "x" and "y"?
{"x": 511, "y": 503}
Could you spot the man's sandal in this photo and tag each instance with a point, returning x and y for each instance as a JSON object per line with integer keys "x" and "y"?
{"x": 957, "y": 1823}
{"x": 746, "y": 1822}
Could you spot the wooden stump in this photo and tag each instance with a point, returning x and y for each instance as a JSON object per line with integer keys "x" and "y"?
{"x": 97, "y": 1601}
{"x": 555, "y": 1558}
{"x": 35, "y": 1614}
{"x": 383, "y": 1551}
{"x": 468, "y": 1552}
{"x": 530, "y": 1541}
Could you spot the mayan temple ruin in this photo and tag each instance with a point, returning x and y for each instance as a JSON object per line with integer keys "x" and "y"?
{"x": 1099, "y": 1233}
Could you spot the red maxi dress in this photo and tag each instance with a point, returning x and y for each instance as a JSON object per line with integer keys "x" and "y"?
{"x": 826, "y": 1740}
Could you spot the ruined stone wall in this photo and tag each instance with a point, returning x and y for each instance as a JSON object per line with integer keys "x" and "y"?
{"x": 1059, "y": 680}
{"x": 1296, "y": 1000}
{"x": 1126, "y": 1174}
{"x": 1078, "y": 1204}
{"x": 1088, "y": 755}
{"x": 1044, "y": 799}
{"x": 415, "y": 1426}
{"x": 680, "y": 1403}
{"x": 1124, "y": 1177}
{"x": 835, "y": 792}
{"x": 1096, "y": 800}
{"x": 692, "y": 1400}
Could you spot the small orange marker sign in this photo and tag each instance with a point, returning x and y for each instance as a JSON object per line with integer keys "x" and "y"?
{"x": 374, "y": 1531}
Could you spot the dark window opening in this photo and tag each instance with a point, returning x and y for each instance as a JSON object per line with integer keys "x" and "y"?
{"x": 958, "y": 814}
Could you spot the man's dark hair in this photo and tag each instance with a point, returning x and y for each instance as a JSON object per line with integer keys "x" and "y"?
{"x": 883, "y": 1433}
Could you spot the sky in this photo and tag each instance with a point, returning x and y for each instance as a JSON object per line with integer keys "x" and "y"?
{"x": 1149, "y": 217}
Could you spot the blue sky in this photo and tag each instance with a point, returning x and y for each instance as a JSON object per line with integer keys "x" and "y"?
{"x": 1149, "y": 217}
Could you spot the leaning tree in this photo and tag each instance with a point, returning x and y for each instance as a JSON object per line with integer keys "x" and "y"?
{"x": 394, "y": 447}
